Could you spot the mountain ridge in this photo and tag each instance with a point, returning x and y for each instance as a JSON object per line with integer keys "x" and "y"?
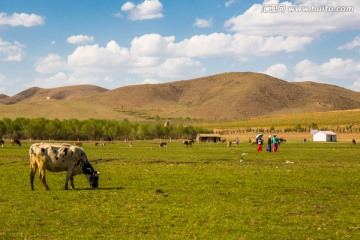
{"x": 226, "y": 96}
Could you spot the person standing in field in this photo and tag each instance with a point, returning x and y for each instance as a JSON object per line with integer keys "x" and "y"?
{"x": 268, "y": 149}
{"x": 237, "y": 141}
{"x": 260, "y": 143}
{"x": 275, "y": 143}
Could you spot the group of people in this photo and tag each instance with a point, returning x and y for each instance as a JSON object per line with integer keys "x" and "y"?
{"x": 272, "y": 141}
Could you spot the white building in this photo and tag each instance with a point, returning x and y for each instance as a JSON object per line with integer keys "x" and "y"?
{"x": 324, "y": 136}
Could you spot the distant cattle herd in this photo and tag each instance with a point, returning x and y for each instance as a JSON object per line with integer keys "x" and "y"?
{"x": 13, "y": 142}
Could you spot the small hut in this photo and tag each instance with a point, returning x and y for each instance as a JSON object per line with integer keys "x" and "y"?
{"x": 208, "y": 138}
{"x": 324, "y": 136}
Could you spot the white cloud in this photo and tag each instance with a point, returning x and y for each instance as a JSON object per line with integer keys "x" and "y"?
{"x": 50, "y": 64}
{"x": 171, "y": 68}
{"x": 230, "y": 2}
{"x": 215, "y": 45}
{"x": 203, "y": 23}
{"x": 149, "y": 9}
{"x": 239, "y": 45}
{"x": 128, "y": 6}
{"x": 257, "y": 20}
{"x": 11, "y": 52}
{"x": 21, "y": 19}
{"x": 152, "y": 45}
{"x": 351, "y": 45}
{"x": 96, "y": 58}
{"x": 345, "y": 70}
{"x": 150, "y": 81}
{"x": 61, "y": 79}
{"x": 2, "y": 83}
{"x": 80, "y": 39}
{"x": 153, "y": 56}
{"x": 277, "y": 70}
{"x": 356, "y": 85}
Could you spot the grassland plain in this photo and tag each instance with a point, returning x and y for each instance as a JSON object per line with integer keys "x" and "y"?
{"x": 209, "y": 191}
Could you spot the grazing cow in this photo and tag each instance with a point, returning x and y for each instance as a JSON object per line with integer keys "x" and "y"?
{"x": 188, "y": 143}
{"x": 2, "y": 142}
{"x": 354, "y": 141}
{"x": 102, "y": 144}
{"x": 17, "y": 142}
{"x": 60, "y": 157}
{"x": 163, "y": 144}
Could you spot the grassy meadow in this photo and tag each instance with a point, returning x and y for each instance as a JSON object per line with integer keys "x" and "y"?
{"x": 209, "y": 191}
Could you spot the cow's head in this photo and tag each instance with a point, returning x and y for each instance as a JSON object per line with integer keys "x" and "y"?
{"x": 93, "y": 179}
{"x": 91, "y": 175}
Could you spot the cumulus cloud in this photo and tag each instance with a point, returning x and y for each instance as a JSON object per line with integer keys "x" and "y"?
{"x": 351, "y": 45}
{"x": 239, "y": 45}
{"x": 346, "y": 70}
{"x": 50, "y": 64}
{"x": 2, "y": 83}
{"x": 203, "y": 23}
{"x": 21, "y": 19}
{"x": 230, "y": 2}
{"x": 80, "y": 39}
{"x": 94, "y": 58}
{"x": 153, "y": 56}
{"x": 128, "y": 6}
{"x": 149, "y": 9}
{"x": 150, "y": 81}
{"x": 171, "y": 68}
{"x": 356, "y": 85}
{"x": 11, "y": 52}
{"x": 277, "y": 70}
{"x": 295, "y": 20}
{"x": 215, "y": 45}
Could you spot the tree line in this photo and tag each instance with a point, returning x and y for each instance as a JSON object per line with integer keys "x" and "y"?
{"x": 92, "y": 129}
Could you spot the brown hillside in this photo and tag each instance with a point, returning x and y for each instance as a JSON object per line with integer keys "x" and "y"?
{"x": 3, "y": 96}
{"x": 61, "y": 93}
{"x": 228, "y": 96}
{"x": 231, "y": 96}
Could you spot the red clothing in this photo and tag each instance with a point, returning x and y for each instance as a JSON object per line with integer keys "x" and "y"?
{"x": 275, "y": 147}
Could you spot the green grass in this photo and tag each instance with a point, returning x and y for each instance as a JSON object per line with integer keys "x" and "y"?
{"x": 209, "y": 191}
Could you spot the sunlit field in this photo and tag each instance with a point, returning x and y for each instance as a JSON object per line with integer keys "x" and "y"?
{"x": 209, "y": 191}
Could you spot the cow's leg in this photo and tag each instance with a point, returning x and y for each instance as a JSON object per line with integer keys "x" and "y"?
{"x": 72, "y": 182}
{"x": 33, "y": 168}
{"x": 42, "y": 169}
{"x": 69, "y": 177}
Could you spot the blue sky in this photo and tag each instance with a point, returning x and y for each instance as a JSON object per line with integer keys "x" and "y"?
{"x": 114, "y": 43}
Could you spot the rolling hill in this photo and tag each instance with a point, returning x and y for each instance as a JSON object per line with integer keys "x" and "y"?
{"x": 227, "y": 96}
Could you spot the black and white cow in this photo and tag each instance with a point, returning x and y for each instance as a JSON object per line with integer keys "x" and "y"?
{"x": 188, "y": 143}
{"x": 17, "y": 142}
{"x": 60, "y": 157}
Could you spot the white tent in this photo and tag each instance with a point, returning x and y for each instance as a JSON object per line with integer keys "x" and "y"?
{"x": 324, "y": 136}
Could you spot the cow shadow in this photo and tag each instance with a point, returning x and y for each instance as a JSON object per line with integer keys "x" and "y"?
{"x": 99, "y": 189}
